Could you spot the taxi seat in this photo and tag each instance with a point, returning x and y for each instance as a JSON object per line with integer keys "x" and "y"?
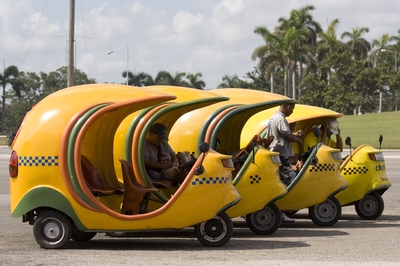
{"x": 136, "y": 196}
{"x": 94, "y": 181}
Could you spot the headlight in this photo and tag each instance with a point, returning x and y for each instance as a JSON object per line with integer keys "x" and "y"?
{"x": 377, "y": 157}
{"x": 337, "y": 156}
{"x": 227, "y": 163}
{"x": 275, "y": 159}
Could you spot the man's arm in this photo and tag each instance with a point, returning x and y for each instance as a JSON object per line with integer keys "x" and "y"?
{"x": 292, "y": 138}
{"x": 339, "y": 141}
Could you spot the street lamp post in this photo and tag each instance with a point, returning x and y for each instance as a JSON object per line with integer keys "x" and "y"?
{"x": 127, "y": 60}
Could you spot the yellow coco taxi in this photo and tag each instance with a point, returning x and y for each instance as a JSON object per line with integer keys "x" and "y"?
{"x": 209, "y": 170}
{"x": 257, "y": 180}
{"x": 316, "y": 184}
{"x": 365, "y": 172}
{"x": 62, "y": 175}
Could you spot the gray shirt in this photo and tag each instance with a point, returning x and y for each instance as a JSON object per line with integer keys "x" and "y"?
{"x": 279, "y": 128}
{"x": 150, "y": 152}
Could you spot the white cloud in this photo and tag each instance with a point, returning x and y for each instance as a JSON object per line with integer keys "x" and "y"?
{"x": 214, "y": 37}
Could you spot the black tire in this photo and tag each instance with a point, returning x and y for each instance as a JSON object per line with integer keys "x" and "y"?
{"x": 326, "y": 213}
{"x": 370, "y": 207}
{"x": 78, "y": 235}
{"x": 265, "y": 221}
{"x": 215, "y": 232}
{"x": 52, "y": 229}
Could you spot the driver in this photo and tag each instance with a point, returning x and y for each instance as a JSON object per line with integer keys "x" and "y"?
{"x": 159, "y": 158}
{"x": 333, "y": 125}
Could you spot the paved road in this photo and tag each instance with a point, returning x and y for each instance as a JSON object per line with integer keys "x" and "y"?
{"x": 349, "y": 242}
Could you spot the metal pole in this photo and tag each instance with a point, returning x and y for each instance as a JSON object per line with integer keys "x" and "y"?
{"x": 71, "y": 35}
{"x": 127, "y": 65}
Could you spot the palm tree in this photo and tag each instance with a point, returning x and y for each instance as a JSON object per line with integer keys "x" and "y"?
{"x": 165, "y": 78}
{"x": 195, "y": 81}
{"x": 270, "y": 54}
{"x": 230, "y": 82}
{"x": 9, "y": 76}
{"x": 357, "y": 46}
{"x": 284, "y": 49}
{"x": 328, "y": 44}
{"x": 380, "y": 44}
{"x": 302, "y": 20}
{"x": 139, "y": 79}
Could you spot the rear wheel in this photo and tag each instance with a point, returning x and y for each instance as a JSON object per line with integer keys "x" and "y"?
{"x": 326, "y": 213}
{"x": 370, "y": 207}
{"x": 265, "y": 221}
{"x": 52, "y": 229}
{"x": 215, "y": 232}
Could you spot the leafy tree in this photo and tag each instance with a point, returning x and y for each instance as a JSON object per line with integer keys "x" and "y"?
{"x": 31, "y": 92}
{"x": 195, "y": 81}
{"x": 57, "y": 80}
{"x": 9, "y": 77}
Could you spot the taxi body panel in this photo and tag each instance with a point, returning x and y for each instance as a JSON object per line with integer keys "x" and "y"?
{"x": 363, "y": 175}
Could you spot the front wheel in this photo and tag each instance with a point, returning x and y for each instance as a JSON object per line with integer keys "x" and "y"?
{"x": 370, "y": 207}
{"x": 52, "y": 229}
{"x": 215, "y": 232}
{"x": 326, "y": 213}
{"x": 265, "y": 221}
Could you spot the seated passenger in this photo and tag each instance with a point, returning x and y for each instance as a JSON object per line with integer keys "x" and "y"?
{"x": 159, "y": 158}
{"x": 310, "y": 139}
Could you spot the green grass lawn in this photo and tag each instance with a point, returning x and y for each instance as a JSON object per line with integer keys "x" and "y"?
{"x": 366, "y": 129}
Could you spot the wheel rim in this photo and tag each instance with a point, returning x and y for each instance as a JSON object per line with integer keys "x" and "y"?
{"x": 263, "y": 218}
{"x": 325, "y": 211}
{"x": 214, "y": 230}
{"x": 369, "y": 205}
{"x": 53, "y": 231}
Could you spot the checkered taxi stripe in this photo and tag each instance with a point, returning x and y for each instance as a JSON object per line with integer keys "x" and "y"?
{"x": 322, "y": 167}
{"x": 355, "y": 170}
{"x": 210, "y": 180}
{"x": 255, "y": 179}
{"x": 38, "y": 161}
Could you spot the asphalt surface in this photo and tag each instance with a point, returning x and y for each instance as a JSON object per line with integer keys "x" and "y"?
{"x": 351, "y": 241}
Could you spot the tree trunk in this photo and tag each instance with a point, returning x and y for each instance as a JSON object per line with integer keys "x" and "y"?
{"x": 272, "y": 82}
{"x": 294, "y": 84}
{"x": 285, "y": 83}
{"x": 329, "y": 76}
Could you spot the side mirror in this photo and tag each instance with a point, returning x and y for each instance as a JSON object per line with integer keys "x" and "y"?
{"x": 348, "y": 141}
{"x": 380, "y": 141}
{"x": 314, "y": 161}
{"x": 204, "y": 147}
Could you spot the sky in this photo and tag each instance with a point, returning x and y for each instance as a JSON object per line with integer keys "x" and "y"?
{"x": 214, "y": 37}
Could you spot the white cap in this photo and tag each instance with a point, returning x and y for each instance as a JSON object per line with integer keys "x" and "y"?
{"x": 334, "y": 126}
